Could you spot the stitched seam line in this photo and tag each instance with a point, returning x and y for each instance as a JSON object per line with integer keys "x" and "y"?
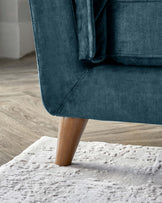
{"x": 59, "y": 109}
{"x": 137, "y": 1}
{"x": 129, "y": 55}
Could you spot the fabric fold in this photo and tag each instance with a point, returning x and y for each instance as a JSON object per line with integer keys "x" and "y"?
{"x": 91, "y": 20}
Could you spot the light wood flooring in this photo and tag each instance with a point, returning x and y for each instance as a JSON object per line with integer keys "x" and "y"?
{"x": 23, "y": 118}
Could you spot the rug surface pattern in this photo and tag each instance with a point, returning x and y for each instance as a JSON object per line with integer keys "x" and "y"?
{"x": 101, "y": 172}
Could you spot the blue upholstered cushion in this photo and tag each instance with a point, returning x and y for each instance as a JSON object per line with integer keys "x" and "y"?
{"x": 135, "y": 31}
{"x": 129, "y": 31}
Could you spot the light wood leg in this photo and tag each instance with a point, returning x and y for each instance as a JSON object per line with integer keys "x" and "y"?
{"x": 70, "y": 131}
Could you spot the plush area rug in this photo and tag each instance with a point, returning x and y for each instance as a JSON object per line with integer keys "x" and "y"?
{"x": 100, "y": 173}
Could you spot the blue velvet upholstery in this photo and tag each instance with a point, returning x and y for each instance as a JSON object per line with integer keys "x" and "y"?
{"x": 135, "y": 31}
{"x": 128, "y": 31}
{"x": 74, "y": 88}
{"x": 91, "y": 20}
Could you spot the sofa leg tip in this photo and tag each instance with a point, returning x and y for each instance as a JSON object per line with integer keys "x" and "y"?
{"x": 62, "y": 164}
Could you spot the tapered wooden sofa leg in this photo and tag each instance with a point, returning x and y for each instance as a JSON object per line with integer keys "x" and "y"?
{"x": 70, "y": 131}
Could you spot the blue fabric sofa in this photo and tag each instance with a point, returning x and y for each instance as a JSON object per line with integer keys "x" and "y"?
{"x": 108, "y": 90}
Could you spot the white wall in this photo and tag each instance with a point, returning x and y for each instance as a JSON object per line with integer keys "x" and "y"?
{"x": 16, "y": 34}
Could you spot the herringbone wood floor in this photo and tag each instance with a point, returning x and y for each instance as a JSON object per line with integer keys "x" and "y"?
{"x": 23, "y": 119}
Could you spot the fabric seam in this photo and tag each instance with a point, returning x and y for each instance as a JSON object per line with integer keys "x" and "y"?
{"x": 59, "y": 109}
{"x": 132, "y": 55}
{"x": 137, "y": 1}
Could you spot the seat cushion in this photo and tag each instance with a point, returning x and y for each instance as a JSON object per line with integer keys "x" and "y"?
{"x": 135, "y": 32}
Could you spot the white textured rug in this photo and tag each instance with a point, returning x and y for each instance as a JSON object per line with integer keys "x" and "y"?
{"x": 100, "y": 173}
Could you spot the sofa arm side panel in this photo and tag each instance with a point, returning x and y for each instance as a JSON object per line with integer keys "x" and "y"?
{"x": 118, "y": 93}
{"x": 56, "y": 49}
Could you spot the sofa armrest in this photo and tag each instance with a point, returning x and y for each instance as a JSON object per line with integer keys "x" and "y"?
{"x": 55, "y": 38}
